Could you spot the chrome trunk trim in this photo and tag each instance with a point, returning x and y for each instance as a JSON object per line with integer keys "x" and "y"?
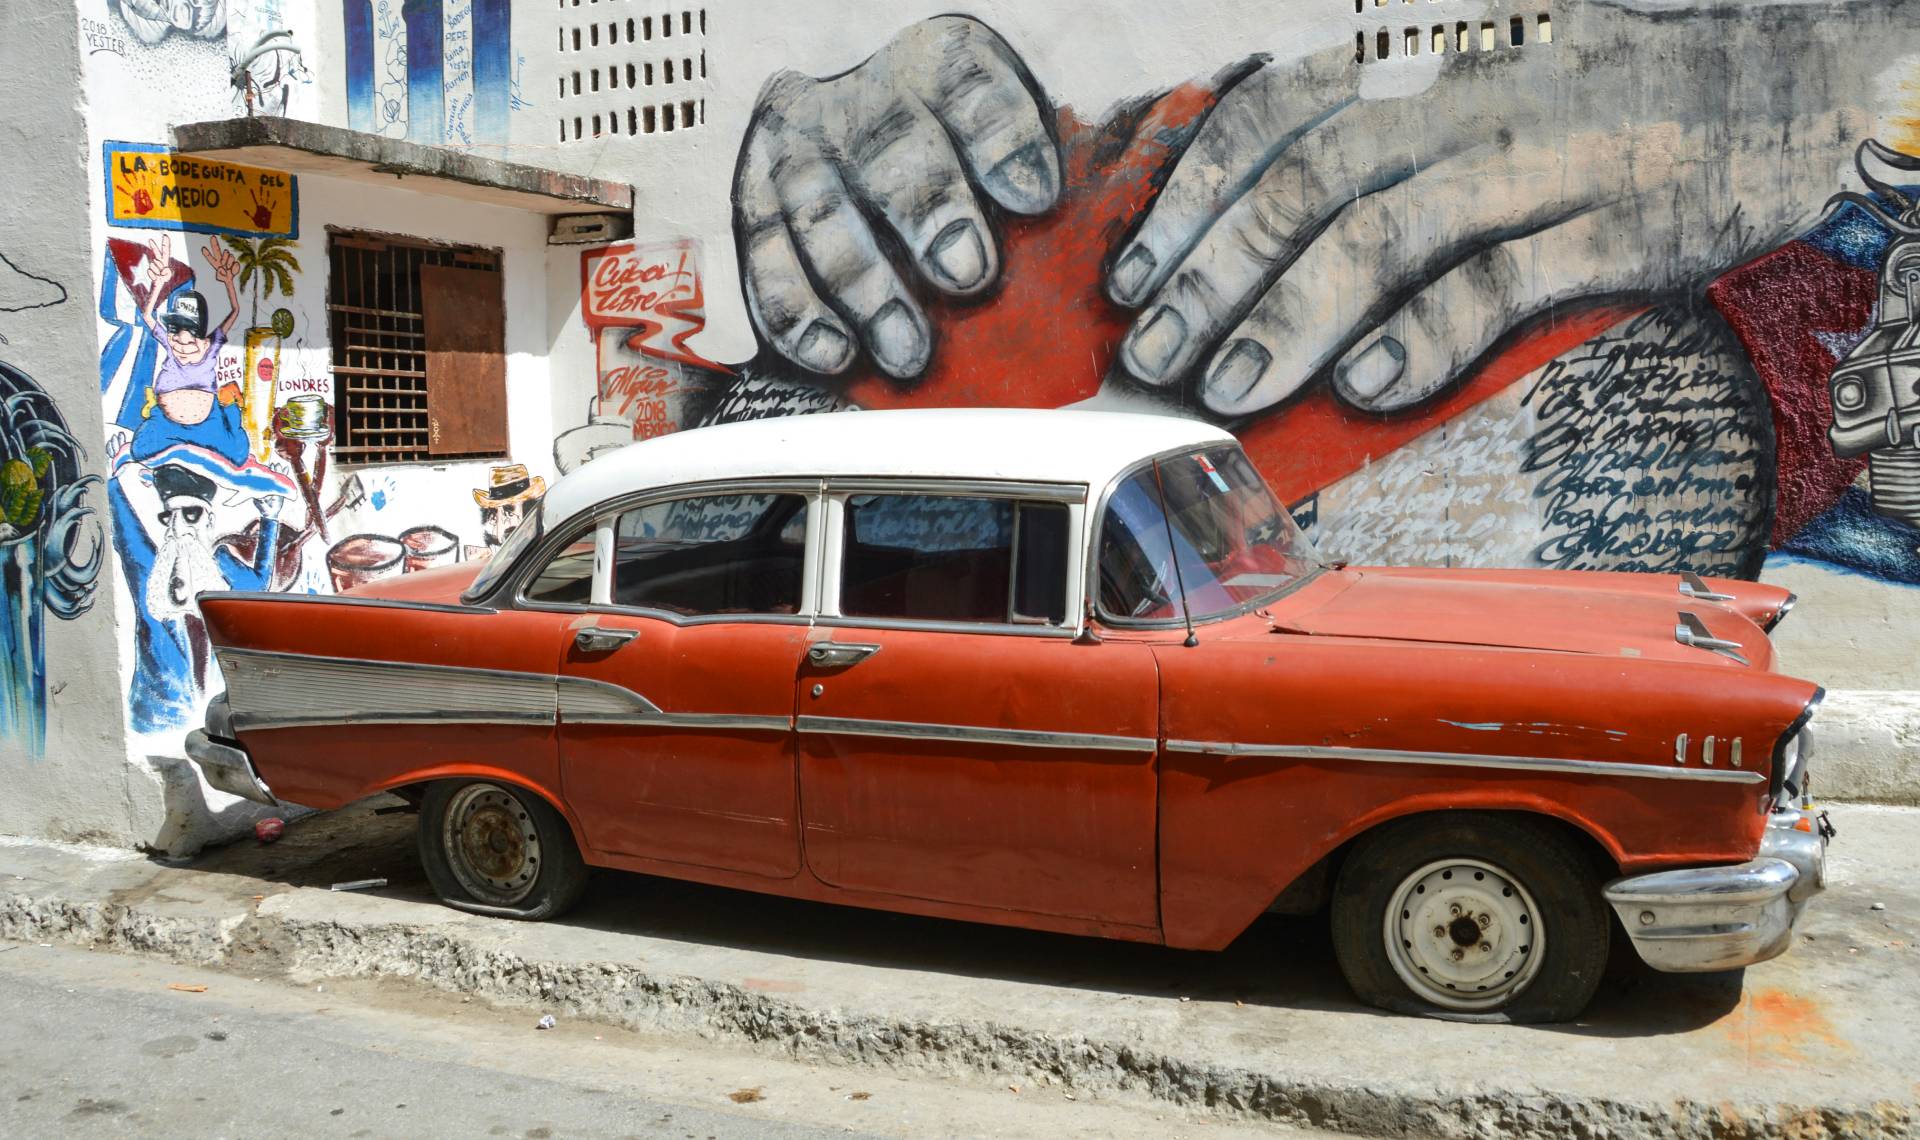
{"x": 1460, "y": 760}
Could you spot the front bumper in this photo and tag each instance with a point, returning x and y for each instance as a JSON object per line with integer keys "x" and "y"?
{"x": 227, "y": 768}
{"x": 1722, "y": 918}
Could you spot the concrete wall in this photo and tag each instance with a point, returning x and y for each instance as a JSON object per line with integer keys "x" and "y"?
{"x": 62, "y": 741}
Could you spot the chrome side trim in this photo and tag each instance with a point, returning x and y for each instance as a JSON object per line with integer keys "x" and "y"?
{"x": 342, "y": 600}
{"x": 1460, "y": 760}
{"x": 585, "y": 699}
{"x": 715, "y": 722}
{"x": 919, "y": 730}
{"x": 268, "y": 690}
{"x": 288, "y": 690}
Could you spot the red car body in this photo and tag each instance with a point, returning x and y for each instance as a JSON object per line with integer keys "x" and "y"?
{"x": 1128, "y": 779}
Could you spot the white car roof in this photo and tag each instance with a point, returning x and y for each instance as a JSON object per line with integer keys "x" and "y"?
{"x": 1011, "y": 444}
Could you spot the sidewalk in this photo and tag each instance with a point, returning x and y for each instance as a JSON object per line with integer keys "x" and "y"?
{"x": 1821, "y": 1042}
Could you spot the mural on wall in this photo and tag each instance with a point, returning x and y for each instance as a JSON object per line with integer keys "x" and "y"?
{"x": 151, "y": 21}
{"x": 51, "y": 547}
{"x": 429, "y": 71}
{"x": 197, "y": 481}
{"x": 1354, "y": 265}
{"x": 268, "y": 68}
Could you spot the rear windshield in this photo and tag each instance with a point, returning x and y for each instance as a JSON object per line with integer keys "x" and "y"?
{"x": 509, "y": 552}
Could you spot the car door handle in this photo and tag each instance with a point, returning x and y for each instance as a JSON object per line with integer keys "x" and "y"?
{"x": 835, "y": 653}
{"x": 593, "y": 639}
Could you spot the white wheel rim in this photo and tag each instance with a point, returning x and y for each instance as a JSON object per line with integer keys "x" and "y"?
{"x": 1464, "y": 934}
{"x": 491, "y": 844}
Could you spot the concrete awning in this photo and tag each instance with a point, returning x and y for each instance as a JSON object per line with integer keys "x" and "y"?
{"x": 356, "y": 156}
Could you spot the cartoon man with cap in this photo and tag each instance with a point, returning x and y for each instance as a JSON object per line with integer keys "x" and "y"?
{"x": 504, "y": 501}
{"x": 186, "y": 388}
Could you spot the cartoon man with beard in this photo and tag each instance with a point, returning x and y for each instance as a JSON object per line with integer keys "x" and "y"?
{"x": 184, "y": 563}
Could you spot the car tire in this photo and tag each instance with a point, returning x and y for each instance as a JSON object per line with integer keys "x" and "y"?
{"x": 498, "y": 849}
{"x": 1471, "y": 916}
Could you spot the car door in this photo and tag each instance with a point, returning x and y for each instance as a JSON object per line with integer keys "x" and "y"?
{"x": 676, "y": 681}
{"x": 956, "y": 742}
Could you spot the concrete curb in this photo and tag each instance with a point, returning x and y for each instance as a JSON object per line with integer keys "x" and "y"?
{"x": 1869, "y": 746}
{"x": 309, "y": 938}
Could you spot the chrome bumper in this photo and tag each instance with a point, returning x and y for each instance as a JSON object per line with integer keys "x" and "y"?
{"x": 227, "y": 768}
{"x": 1722, "y": 918}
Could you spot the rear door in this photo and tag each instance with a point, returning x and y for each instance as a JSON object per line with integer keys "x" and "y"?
{"x": 676, "y": 680}
{"x": 957, "y": 743}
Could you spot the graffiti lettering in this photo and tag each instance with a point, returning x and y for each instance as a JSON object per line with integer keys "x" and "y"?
{"x": 1653, "y": 437}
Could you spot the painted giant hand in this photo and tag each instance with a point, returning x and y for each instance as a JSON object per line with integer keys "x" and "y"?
{"x": 1456, "y": 305}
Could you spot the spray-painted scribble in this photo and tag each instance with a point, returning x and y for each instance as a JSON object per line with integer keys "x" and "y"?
{"x": 21, "y": 290}
{"x": 51, "y": 547}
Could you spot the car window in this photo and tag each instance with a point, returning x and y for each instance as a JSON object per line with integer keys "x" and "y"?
{"x": 567, "y": 578}
{"x": 954, "y": 558}
{"x": 517, "y": 541}
{"x": 1221, "y": 535}
{"x": 712, "y": 554}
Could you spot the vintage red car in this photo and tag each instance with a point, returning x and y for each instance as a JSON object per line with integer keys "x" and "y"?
{"x": 1073, "y": 671}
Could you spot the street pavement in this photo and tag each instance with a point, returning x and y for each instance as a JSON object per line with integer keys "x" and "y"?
{"x": 99, "y": 1044}
{"x": 1817, "y": 1043}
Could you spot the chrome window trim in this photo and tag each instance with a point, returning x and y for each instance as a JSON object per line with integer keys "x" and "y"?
{"x": 844, "y": 621}
{"x": 514, "y": 579}
{"x": 972, "y": 734}
{"x": 956, "y": 488}
{"x": 1462, "y": 760}
{"x": 604, "y": 517}
{"x": 833, "y": 544}
{"x": 1092, "y": 547}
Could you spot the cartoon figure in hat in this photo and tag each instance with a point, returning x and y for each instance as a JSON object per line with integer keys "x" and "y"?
{"x": 504, "y": 502}
{"x": 186, "y": 391}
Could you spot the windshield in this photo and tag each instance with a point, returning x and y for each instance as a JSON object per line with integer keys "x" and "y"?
{"x": 506, "y": 554}
{"x": 1233, "y": 545}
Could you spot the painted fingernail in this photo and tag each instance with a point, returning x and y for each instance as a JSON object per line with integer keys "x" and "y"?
{"x": 896, "y": 340}
{"x": 824, "y": 348}
{"x": 957, "y": 256}
{"x": 1024, "y": 181}
{"x": 1154, "y": 344}
{"x": 1374, "y": 370}
{"x": 1129, "y": 281}
{"x": 1237, "y": 370}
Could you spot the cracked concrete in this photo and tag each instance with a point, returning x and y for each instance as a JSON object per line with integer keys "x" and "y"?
{"x": 1818, "y": 1043}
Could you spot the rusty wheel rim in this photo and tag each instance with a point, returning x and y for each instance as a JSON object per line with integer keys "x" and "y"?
{"x": 1464, "y": 934}
{"x": 491, "y": 844}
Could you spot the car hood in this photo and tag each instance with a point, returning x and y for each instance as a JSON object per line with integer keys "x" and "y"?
{"x": 1548, "y": 611}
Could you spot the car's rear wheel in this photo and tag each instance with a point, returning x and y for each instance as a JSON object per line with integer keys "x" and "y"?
{"x": 1472, "y": 917}
{"x": 498, "y": 849}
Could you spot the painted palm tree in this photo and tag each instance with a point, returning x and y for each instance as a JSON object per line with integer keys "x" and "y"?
{"x": 267, "y": 265}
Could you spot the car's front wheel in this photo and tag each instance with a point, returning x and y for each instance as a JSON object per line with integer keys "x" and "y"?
{"x": 498, "y": 849}
{"x": 1473, "y": 917}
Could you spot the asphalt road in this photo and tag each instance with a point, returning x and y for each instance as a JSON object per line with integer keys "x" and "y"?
{"x": 97, "y": 1044}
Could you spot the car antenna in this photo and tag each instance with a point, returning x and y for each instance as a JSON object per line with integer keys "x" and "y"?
{"x": 1179, "y": 581}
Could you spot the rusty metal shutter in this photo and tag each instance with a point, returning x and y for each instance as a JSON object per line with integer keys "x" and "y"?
{"x": 465, "y": 321}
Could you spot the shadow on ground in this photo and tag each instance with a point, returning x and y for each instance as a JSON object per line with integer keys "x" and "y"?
{"x": 1281, "y": 961}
